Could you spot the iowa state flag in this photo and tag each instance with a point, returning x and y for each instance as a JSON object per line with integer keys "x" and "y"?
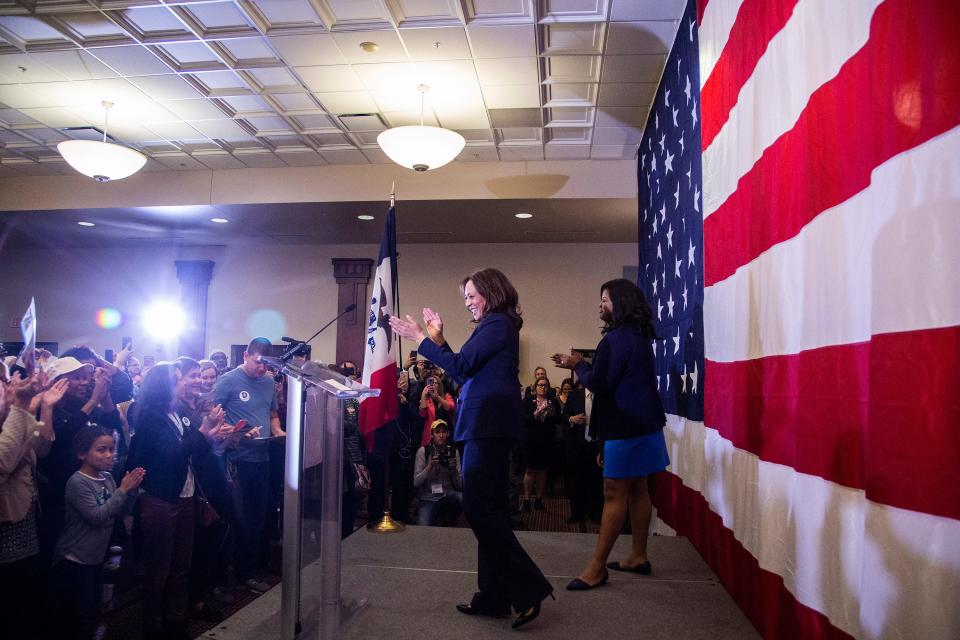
{"x": 380, "y": 362}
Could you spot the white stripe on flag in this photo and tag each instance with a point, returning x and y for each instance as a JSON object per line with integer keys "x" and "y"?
{"x": 798, "y": 60}
{"x": 889, "y": 238}
{"x": 718, "y": 19}
{"x": 872, "y": 569}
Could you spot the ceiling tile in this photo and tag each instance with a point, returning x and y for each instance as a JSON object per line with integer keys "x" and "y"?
{"x": 30, "y": 29}
{"x": 500, "y": 118}
{"x": 221, "y": 82}
{"x": 444, "y": 43}
{"x": 504, "y": 71}
{"x": 176, "y": 130}
{"x": 21, "y": 96}
{"x": 520, "y": 152}
{"x": 220, "y": 129}
{"x": 607, "y": 152}
{"x": 269, "y": 124}
{"x": 617, "y": 136}
{"x": 356, "y": 14}
{"x": 219, "y": 160}
{"x": 574, "y": 10}
{"x": 570, "y": 117}
{"x": 504, "y": 41}
{"x": 191, "y": 55}
{"x": 463, "y": 118}
{"x": 375, "y": 155}
{"x": 73, "y": 65}
{"x": 571, "y": 68}
{"x": 243, "y": 51}
{"x": 478, "y": 154}
{"x": 194, "y": 109}
{"x": 626, "y": 94}
{"x": 408, "y": 118}
{"x": 339, "y": 77}
{"x": 26, "y": 68}
{"x": 571, "y": 95}
{"x": 511, "y": 97}
{"x": 276, "y": 79}
{"x": 345, "y": 156}
{"x": 365, "y": 138}
{"x": 92, "y": 26}
{"x": 640, "y": 37}
{"x": 331, "y": 140}
{"x": 290, "y": 142}
{"x": 637, "y": 68}
{"x": 520, "y": 135}
{"x": 477, "y": 135}
{"x": 288, "y": 13}
{"x": 389, "y": 47}
{"x": 131, "y": 61}
{"x": 12, "y": 117}
{"x": 213, "y": 16}
{"x": 363, "y": 123}
{"x": 576, "y": 38}
{"x": 622, "y": 116}
{"x": 347, "y": 102}
{"x": 628, "y": 10}
{"x": 248, "y": 105}
{"x": 169, "y": 87}
{"x": 260, "y": 159}
{"x": 498, "y": 11}
{"x": 314, "y": 123}
{"x": 179, "y": 162}
{"x": 568, "y": 135}
{"x": 55, "y": 117}
{"x": 295, "y": 102}
{"x": 308, "y": 50}
{"x": 298, "y": 158}
{"x": 566, "y": 151}
{"x": 153, "y": 20}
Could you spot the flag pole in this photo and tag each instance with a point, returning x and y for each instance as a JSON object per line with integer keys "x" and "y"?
{"x": 387, "y": 524}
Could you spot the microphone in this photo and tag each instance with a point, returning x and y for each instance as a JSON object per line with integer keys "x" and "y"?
{"x": 297, "y": 344}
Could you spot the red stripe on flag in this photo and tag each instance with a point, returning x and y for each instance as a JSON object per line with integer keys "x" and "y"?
{"x": 880, "y": 415}
{"x": 376, "y": 412}
{"x": 759, "y": 593}
{"x": 898, "y": 91}
{"x": 701, "y": 7}
{"x": 756, "y": 23}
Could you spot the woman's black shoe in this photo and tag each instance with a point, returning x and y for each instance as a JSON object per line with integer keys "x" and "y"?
{"x": 527, "y": 616}
{"x": 643, "y": 569}
{"x": 470, "y": 610}
{"x": 580, "y": 585}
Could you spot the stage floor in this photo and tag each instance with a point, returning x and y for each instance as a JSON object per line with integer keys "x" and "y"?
{"x": 404, "y": 586}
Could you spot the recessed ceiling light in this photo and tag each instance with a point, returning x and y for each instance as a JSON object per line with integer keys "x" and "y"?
{"x": 369, "y": 47}
{"x": 523, "y": 216}
{"x": 84, "y": 223}
{"x": 219, "y": 220}
{"x": 365, "y": 217}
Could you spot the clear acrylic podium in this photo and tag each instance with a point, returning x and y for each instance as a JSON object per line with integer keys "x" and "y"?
{"x": 312, "y": 495}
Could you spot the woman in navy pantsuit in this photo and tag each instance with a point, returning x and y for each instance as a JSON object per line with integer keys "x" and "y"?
{"x": 489, "y": 420}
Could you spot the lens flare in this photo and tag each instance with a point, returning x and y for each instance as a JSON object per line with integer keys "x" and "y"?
{"x": 268, "y": 323}
{"x": 164, "y": 320}
{"x": 109, "y": 318}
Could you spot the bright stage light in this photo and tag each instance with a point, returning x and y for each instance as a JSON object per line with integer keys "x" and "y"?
{"x": 164, "y": 320}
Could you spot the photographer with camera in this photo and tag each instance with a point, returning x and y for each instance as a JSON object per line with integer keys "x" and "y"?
{"x": 436, "y": 475}
{"x": 435, "y": 404}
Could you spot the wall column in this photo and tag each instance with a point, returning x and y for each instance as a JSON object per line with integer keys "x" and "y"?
{"x": 352, "y": 275}
{"x": 194, "y": 277}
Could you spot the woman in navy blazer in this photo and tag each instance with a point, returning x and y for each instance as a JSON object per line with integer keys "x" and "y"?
{"x": 628, "y": 417}
{"x": 489, "y": 419}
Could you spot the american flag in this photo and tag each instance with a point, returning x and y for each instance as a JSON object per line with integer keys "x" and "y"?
{"x": 808, "y": 308}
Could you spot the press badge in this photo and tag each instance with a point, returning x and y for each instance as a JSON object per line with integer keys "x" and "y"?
{"x": 436, "y": 488}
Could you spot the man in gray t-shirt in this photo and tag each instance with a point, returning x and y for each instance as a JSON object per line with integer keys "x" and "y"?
{"x": 247, "y": 393}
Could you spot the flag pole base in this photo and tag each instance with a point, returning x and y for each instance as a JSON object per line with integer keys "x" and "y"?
{"x": 386, "y": 525}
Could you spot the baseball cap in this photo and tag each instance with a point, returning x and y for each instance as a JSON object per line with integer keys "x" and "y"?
{"x": 439, "y": 424}
{"x": 65, "y": 365}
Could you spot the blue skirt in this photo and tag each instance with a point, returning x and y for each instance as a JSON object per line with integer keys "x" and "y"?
{"x": 635, "y": 457}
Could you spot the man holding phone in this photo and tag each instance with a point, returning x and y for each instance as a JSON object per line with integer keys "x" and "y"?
{"x": 248, "y": 394}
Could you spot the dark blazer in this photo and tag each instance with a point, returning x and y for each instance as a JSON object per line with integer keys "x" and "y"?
{"x": 488, "y": 367}
{"x": 158, "y": 448}
{"x": 626, "y": 403}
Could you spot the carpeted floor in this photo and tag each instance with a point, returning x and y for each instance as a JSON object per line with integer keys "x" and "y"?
{"x": 122, "y": 621}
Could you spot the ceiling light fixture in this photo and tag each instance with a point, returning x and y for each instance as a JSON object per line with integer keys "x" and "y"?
{"x": 219, "y": 220}
{"x": 102, "y": 161}
{"x": 523, "y": 216}
{"x": 364, "y": 217}
{"x": 84, "y": 223}
{"x": 421, "y": 148}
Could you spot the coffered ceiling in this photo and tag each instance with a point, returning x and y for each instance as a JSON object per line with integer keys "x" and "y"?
{"x": 272, "y": 83}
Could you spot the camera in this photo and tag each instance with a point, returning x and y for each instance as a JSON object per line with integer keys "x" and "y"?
{"x": 445, "y": 455}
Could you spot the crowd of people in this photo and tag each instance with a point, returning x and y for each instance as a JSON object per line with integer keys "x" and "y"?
{"x": 178, "y": 467}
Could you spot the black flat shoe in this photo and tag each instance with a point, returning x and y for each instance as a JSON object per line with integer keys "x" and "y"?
{"x": 526, "y": 617}
{"x": 643, "y": 569}
{"x": 581, "y": 585}
{"x": 470, "y": 610}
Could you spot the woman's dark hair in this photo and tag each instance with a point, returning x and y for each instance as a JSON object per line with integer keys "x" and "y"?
{"x": 183, "y": 364}
{"x": 85, "y": 438}
{"x": 630, "y": 308}
{"x": 568, "y": 381}
{"x": 156, "y": 390}
{"x": 500, "y": 295}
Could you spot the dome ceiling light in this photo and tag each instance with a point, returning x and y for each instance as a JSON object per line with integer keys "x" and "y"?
{"x": 102, "y": 161}
{"x": 421, "y": 148}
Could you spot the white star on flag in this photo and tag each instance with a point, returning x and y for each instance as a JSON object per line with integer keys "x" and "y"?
{"x": 670, "y": 304}
{"x": 676, "y": 196}
{"x": 663, "y": 139}
{"x": 666, "y": 98}
{"x": 668, "y": 164}
{"x": 693, "y": 379}
{"x": 675, "y": 112}
{"x": 696, "y": 198}
{"x": 690, "y": 252}
{"x": 693, "y": 113}
{"x": 687, "y": 90}
{"x": 683, "y": 380}
{"x": 669, "y": 234}
{"x": 676, "y": 342}
{"x": 676, "y": 268}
